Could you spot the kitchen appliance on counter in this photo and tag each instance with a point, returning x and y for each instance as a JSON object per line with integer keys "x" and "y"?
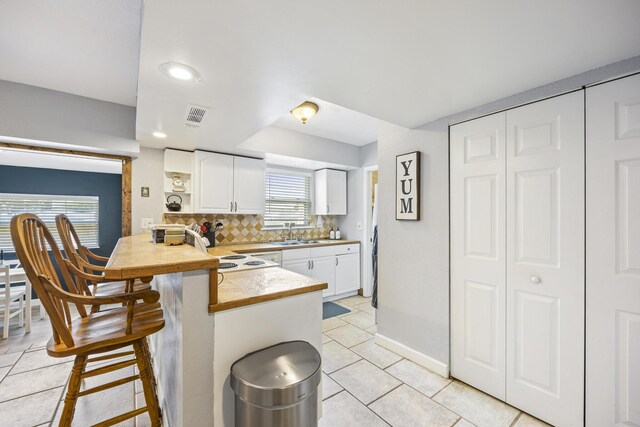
{"x": 171, "y": 234}
{"x": 239, "y": 262}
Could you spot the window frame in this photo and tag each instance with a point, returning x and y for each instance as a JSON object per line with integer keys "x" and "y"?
{"x": 298, "y": 172}
{"x": 51, "y": 227}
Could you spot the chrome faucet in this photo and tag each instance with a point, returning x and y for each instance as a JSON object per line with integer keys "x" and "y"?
{"x": 291, "y": 230}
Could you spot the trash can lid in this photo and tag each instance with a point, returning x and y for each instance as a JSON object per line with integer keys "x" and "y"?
{"x": 276, "y": 375}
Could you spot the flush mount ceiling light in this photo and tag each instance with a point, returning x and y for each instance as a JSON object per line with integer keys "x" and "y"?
{"x": 178, "y": 71}
{"x": 305, "y": 111}
{"x": 159, "y": 134}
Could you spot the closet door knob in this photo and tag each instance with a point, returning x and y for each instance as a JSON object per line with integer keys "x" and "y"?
{"x": 535, "y": 279}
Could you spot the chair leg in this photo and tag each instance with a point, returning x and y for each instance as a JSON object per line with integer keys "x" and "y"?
{"x": 21, "y": 315}
{"x": 72, "y": 392}
{"x": 148, "y": 381}
{"x": 7, "y": 314}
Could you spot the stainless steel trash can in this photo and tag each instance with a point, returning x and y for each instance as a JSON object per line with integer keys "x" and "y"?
{"x": 277, "y": 386}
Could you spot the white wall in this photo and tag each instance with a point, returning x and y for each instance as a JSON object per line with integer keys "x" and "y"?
{"x": 289, "y": 143}
{"x": 147, "y": 171}
{"x": 369, "y": 154}
{"x": 37, "y": 116}
{"x": 413, "y": 259}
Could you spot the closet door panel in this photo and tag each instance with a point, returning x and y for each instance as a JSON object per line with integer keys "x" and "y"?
{"x": 545, "y": 259}
{"x": 477, "y": 253}
{"x": 613, "y": 253}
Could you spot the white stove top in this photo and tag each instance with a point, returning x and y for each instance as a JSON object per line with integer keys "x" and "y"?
{"x": 230, "y": 263}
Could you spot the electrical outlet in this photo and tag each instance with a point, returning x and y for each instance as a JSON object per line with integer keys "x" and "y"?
{"x": 358, "y": 226}
{"x": 146, "y": 223}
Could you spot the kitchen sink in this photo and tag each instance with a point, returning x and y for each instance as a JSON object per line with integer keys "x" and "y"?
{"x": 295, "y": 242}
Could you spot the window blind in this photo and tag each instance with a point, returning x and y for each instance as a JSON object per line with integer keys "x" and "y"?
{"x": 288, "y": 199}
{"x": 81, "y": 210}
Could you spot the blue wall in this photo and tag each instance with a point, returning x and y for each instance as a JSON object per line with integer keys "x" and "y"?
{"x": 108, "y": 187}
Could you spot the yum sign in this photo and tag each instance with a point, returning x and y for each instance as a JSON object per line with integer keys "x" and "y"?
{"x": 408, "y": 186}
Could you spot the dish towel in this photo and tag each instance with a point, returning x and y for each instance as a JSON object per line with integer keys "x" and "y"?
{"x": 374, "y": 263}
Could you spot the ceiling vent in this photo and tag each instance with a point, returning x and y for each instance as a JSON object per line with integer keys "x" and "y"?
{"x": 195, "y": 115}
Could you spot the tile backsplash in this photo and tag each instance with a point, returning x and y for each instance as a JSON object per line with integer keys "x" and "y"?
{"x": 248, "y": 228}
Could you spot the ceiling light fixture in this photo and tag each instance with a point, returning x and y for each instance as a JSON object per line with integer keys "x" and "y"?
{"x": 305, "y": 111}
{"x": 178, "y": 71}
{"x": 159, "y": 134}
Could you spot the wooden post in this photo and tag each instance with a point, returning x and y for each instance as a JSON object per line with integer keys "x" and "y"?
{"x": 126, "y": 197}
{"x": 213, "y": 287}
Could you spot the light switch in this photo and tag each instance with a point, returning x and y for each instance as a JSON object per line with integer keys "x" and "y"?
{"x": 146, "y": 223}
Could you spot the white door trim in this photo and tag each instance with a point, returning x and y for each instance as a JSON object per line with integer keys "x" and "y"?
{"x": 367, "y": 288}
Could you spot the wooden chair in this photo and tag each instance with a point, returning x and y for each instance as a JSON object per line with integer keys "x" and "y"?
{"x": 92, "y": 333}
{"x": 79, "y": 255}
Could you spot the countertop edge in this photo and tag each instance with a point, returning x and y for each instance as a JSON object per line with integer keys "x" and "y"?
{"x": 216, "y": 308}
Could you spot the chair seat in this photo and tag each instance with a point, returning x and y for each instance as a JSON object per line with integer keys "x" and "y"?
{"x": 105, "y": 330}
{"x": 112, "y": 288}
{"x": 15, "y": 293}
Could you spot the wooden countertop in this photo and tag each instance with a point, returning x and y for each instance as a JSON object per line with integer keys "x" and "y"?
{"x": 137, "y": 257}
{"x": 249, "y": 287}
{"x": 268, "y": 247}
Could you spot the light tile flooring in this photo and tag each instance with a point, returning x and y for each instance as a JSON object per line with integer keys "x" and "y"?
{"x": 363, "y": 384}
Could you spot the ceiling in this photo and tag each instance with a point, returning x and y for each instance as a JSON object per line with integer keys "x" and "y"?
{"x": 406, "y": 62}
{"x": 83, "y": 47}
{"x": 334, "y": 122}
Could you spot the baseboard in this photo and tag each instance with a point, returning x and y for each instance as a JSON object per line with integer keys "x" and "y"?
{"x": 407, "y": 352}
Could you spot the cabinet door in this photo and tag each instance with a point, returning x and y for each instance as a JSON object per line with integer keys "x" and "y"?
{"x": 320, "y": 193}
{"x": 347, "y": 273}
{"x": 249, "y": 184}
{"x": 324, "y": 269}
{"x": 545, "y": 259}
{"x": 301, "y": 266}
{"x": 613, "y": 253}
{"x": 478, "y": 280}
{"x": 336, "y": 192}
{"x": 214, "y": 182}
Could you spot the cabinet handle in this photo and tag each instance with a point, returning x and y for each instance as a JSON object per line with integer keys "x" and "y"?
{"x": 312, "y": 264}
{"x": 337, "y": 260}
{"x": 309, "y": 265}
{"x": 236, "y": 205}
{"x": 231, "y": 207}
{"x": 327, "y": 208}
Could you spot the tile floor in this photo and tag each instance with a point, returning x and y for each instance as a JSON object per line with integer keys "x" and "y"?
{"x": 363, "y": 384}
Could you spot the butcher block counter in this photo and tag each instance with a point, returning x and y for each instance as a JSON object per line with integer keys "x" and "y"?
{"x": 208, "y": 326}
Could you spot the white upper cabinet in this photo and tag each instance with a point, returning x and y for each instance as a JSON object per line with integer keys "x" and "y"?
{"x": 248, "y": 178}
{"x": 213, "y": 182}
{"x": 178, "y": 161}
{"x": 330, "y": 192}
{"x": 228, "y": 184}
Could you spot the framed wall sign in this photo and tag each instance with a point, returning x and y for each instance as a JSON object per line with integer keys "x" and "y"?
{"x": 408, "y": 186}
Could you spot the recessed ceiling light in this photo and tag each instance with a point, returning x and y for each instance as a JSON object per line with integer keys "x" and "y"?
{"x": 305, "y": 111}
{"x": 178, "y": 71}
{"x": 159, "y": 134}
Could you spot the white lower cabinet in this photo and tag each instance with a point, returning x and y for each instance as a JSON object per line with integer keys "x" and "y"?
{"x": 338, "y": 266}
{"x": 347, "y": 273}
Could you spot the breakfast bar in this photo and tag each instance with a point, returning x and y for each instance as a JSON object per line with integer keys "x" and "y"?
{"x": 213, "y": 319}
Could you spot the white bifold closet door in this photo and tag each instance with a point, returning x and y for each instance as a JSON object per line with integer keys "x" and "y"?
{"x": 545, "y": 259}
{"x": 613, "y": 253}
{"x": 477, "y": 156}
{"x": 517, "y": 205}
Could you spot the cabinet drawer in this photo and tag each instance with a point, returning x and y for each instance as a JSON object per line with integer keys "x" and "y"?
{"x": 347, "y": 249}
{"x": 323, "y": 251}
{"x": 300, "y": 253}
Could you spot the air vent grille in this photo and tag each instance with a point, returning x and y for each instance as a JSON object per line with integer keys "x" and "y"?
{"x": 195, "y": 115}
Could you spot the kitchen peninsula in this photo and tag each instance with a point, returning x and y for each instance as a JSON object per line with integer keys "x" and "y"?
{"x": 209, "y": 325}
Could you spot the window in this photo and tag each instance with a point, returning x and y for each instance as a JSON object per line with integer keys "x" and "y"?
{"x": 288, "y": 198}
{"x": 81, "y": 210}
